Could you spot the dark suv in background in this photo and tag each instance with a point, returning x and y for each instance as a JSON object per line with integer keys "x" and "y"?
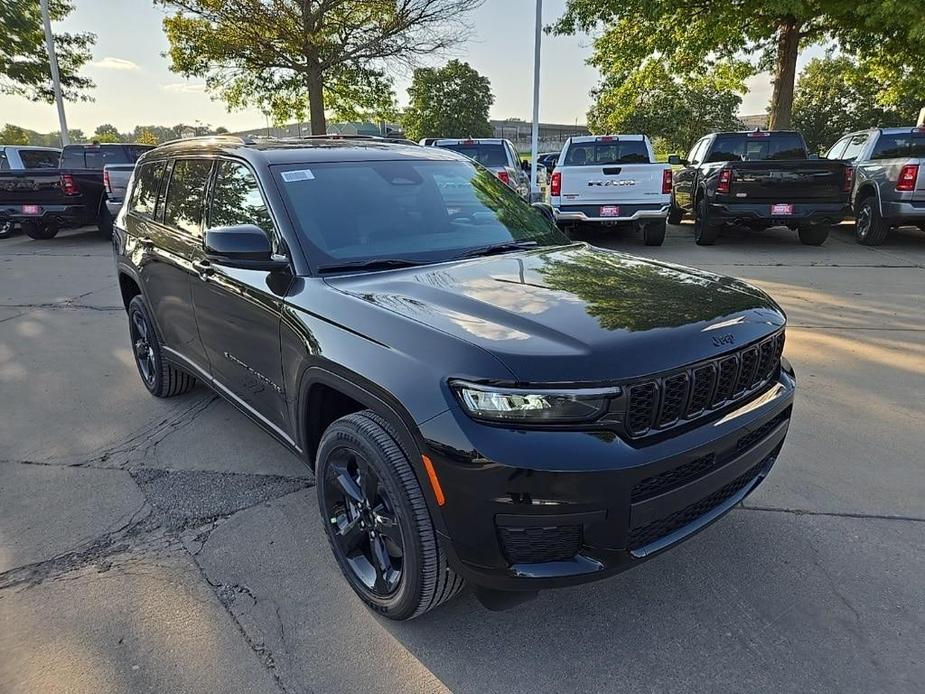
{"x": 480, "y": 399}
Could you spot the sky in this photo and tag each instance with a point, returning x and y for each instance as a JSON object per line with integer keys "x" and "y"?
{"x": 135, "y": 86}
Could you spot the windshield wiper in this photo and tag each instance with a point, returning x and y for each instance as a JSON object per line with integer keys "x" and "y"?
{"x": 373, "y": 264}
{"x": 496, "y": 248}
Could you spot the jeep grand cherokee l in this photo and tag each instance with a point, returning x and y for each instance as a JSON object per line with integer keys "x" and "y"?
{"x": 481, "y": 400}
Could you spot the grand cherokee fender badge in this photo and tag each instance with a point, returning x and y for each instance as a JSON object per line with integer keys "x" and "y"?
{"x": 256, "y": 374}
{"x": 721, "y": 340}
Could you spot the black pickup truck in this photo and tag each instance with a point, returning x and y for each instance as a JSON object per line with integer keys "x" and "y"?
{"x": 759, "y": 179}
{"x": 47, "y": 200}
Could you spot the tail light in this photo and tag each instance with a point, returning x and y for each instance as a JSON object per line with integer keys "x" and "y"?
{"x": 106, "y": 182}
{"x": 725, "y": 180}
{"x": 848, "y": 180}
{"x": 504, "y": 176}
{"x": 907, "y": 176}
{"x": 666, "y": 181}
{"x": 69, "y": 185}
{"x": 555, "y": 184}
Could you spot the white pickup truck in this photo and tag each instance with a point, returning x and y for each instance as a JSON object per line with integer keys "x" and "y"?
{"x": 611, "y": 180}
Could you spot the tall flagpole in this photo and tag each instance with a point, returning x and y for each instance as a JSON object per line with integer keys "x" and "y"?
{"x": 534, "y": 148}
{"x": 55, "y": 77}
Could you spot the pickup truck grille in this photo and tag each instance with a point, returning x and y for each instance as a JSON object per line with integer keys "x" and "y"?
{"x": 658, "y": 403}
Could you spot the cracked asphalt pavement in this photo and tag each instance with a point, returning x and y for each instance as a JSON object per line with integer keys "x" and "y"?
{"x": 172, "y": 546}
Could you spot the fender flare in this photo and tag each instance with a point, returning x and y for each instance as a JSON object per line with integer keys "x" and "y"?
{"x": 864, "y": 188}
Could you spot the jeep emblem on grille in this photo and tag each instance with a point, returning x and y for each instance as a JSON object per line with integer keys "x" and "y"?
{"x": 727, "y": 339}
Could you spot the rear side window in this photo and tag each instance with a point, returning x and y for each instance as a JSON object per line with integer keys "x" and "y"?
{"x": 855, "y": 145}
{"x": 901, "y": 146}
{"x": 38, "y": 159}
{"x": 757, "y": 147}
{"x": 144, "y": 194}
{"x": 236, "y": 199}
{"x": 836, "y": 150}
{"x": 484, "y": 154}
{"x": 185, "y": 193}
{"x": 602, "y": 153}
{"x": 98, "y": 157}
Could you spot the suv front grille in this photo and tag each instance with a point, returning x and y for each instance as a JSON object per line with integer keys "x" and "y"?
{"x": 531, "y": 545}
{"x": 659, "y": 403}
{"x": 642, "y": 535}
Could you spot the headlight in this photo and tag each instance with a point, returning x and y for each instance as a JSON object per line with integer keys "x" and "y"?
{"x": 533, "y": 405}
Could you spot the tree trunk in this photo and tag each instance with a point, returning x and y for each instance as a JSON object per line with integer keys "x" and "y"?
{"x": 785, "y": 72}
{"x": 315, "y": 84}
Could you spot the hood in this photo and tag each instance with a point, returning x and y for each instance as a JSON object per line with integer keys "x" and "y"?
{"x": 576, "y": 313}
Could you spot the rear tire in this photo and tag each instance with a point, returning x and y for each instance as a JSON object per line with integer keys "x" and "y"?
{"x": 7, "y": 229}
{"x": 361, "y": 453}
{"x": 705, "y": 231}
{"x": 104, "y": 223}
{"x": 653, "y": 233}
{"x": 162, "y": 379}
{"x": 814, "y": 235}
{"x": 870, "y": 229}
{"x": 40, "y": 231}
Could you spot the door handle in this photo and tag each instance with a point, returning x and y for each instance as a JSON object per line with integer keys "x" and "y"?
{"x": 204, "y": 268}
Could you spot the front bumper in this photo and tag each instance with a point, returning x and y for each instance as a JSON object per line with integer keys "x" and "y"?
{"x": 629, "y": 213}
{"x": 538, "y": 509}
{"x": 759, "y": 214}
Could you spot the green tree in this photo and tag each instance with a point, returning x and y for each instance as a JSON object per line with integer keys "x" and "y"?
{"x": 835, "y": 95}
{"x": 672, "y": 111}
{"x": 451, "y": 101}
{"x": 14, "y": 135}
{"x": 24, "y": 67}
{"x": 327, "y": 54}
{"x": 107, "y": 133}
{"x": 145, "y": 137}
{"x": 689, "y": 34}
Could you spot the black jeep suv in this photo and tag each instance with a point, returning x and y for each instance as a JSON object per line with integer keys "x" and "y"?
{"x": 480, "y": 399}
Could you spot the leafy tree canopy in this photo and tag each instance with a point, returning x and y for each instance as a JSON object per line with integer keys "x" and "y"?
{"x": 24, "y": 67}
{"x": 672, "y": 111}
{"x": 286, "y": 55}
{"x": 689, "y": 34}
{"x": 450, "y": 101}
{"x": 14, "y": 135}
{"x": 836, "y": 95}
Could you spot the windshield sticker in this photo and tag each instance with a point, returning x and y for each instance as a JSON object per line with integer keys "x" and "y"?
{"x": 299, "y": 175}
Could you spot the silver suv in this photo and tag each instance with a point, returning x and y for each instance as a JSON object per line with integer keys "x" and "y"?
{"x": 889, "y": 179}
{"x": 496, "y": 154}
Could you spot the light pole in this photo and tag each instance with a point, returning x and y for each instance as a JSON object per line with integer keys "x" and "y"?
{"x": 55, "y": 77}
{"x": 534, "y": 145}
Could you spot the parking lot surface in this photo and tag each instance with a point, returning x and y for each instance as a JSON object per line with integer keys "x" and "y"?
{"x": 170, "y": 545}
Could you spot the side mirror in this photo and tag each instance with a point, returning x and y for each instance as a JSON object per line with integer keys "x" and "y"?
{"x": 244, "y": 246}
{"x": 676, "y": 160}
{"x": 544, "y": 209}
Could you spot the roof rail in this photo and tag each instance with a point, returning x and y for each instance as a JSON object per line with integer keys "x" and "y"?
{"x": 237, "y": 139}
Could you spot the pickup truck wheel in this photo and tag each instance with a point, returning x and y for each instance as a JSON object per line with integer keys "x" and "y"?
{"x": 814, "y": 235}
{"x": 705, "y": 233}
{"x": 40, "y": 230}
{"x": 870, "y": 229}
{"x": 104, "y": 223}
{"x": 675, "y": 213}
{"x": 6, "y": 229}
{"x": 376, "y": 519}
{"x": 161, "y": 378}
{"x": 653, "y": 233}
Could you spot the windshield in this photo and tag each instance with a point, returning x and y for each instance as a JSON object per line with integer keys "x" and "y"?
{"x": 424, "y": 211}
{"x": 757, "y": 147}
{"x": 486, "y": 155}
{"x": 602, "y": 153}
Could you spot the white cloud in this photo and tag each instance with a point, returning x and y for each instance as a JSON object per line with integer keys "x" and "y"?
{"x": 110, "y": 63}
{"x": 184, "y": 87}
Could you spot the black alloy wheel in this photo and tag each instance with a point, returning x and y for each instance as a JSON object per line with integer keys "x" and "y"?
{"x": 366, "y": 530}
{"x": 869, "y": 227}
{"x": 141, "y": 347}
{"x": 161, "y": 378}
{"x": 705, "y": 232}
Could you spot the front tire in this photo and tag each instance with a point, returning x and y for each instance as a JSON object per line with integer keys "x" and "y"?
{"x": 675, "y": 213}
{"x": 40, "y": 231}
{"x": 870, "y": 229}
{"x": 7, "y": 229}
{"x": 814, "y": 235}
{"x": 104, "y": 224}
{"x": 161, "y": 378}
{"x": 705, "y": 231}
{"x": 376, "y": 519}
{"x": 653, "y": 233}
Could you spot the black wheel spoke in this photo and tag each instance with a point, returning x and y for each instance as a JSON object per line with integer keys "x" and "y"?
{"x": 348, "y": 485}
{"x": 387, "y": 525}
{"x": 382, "y": 564}
{"x": 351, "y": 536}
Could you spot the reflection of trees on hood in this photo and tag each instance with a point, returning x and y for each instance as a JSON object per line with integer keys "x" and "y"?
{"x": 626, "y": 294}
